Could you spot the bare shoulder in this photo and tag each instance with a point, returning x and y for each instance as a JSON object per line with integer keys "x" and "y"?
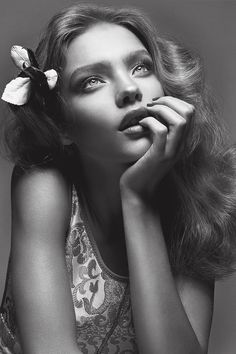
{"x": 40, "y": 197}
{"x": 197, "y": 297}
{"x": 40, "y": 181}
{"x": 40, "y": 281}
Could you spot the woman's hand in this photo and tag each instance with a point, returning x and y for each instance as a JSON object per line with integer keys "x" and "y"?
{"x": 168, "y": 121}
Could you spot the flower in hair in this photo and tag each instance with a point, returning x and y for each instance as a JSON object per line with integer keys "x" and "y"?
{"x": 18, "y": 91}
{"x": 20, "y": 57}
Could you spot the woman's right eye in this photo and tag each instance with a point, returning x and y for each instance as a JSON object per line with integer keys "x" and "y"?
{"x": 91, "y": 83}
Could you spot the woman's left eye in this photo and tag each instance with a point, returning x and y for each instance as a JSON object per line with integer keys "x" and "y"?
{"x": 141, "y": 68}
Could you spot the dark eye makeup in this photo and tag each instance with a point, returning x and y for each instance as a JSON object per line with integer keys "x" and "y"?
{"x": 140, "y": 67}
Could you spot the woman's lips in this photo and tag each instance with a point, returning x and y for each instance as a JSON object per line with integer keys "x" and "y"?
{"x": 132, "y": 118}
{"x": 135, "y": 130}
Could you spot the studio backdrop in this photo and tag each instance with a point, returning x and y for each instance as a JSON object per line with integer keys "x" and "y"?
{"x": 206, "y": 27}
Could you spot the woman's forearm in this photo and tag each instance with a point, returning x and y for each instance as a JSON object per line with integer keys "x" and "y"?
{"x": 161, "y": 323}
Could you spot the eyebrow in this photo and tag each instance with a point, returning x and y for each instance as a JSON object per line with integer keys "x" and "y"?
{"x": 104, "y": 64}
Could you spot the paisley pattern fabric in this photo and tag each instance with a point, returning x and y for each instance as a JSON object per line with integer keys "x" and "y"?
{"x": 101, "y": 298}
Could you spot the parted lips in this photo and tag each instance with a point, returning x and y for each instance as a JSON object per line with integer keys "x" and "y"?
{"x": 133, "y": 117}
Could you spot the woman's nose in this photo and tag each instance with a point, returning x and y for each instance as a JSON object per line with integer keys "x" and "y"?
{"x": 127, "y": 94}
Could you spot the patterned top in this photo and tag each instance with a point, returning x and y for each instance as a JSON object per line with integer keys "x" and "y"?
{"x": 101, "y": 298}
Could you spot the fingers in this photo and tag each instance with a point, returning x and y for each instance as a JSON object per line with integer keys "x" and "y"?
{"x": 159, "y": 134}
{"x": 183, "y": 108}
{"x": 175, "y": 114}
{"x": 172, "y": 123}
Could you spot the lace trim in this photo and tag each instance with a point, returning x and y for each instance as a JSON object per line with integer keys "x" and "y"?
{"x": 6, "y": 327}
{"x": 108, "y": 335}
{"x": 121, "y": 278}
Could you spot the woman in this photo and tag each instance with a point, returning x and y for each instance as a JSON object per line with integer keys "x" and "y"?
{"x": 141, "y": 204}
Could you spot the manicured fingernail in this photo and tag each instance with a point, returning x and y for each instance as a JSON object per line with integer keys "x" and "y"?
{"x": 155, "y": 98}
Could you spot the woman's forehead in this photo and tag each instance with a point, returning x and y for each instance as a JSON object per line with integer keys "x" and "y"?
{"x": 101, "y": 42}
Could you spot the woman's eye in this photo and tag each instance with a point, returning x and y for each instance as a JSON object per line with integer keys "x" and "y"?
{"x": 142, "y": 68}
{"x": 91, "y": 82}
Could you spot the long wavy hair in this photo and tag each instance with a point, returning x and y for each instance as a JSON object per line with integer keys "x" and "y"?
{"x": 198, "y": 196}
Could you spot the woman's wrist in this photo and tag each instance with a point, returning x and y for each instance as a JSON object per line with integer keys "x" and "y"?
{"x": 130, "y": 196}
{"x": 144, "y": 200}
{"x": 136, "y": 205}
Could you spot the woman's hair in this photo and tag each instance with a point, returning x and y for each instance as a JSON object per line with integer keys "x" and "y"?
{"x": 198, "y": 196}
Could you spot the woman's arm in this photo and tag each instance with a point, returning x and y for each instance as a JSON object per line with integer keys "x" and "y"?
{"x": 170, "y": 315}
{"x": 41, "y": 289}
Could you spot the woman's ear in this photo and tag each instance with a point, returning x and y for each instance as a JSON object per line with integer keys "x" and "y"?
{"x": 66, "y": 140}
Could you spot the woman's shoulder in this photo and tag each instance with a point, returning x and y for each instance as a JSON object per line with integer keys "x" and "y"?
{"x": 57, "y": 170}
{"x": 40, "y": 194}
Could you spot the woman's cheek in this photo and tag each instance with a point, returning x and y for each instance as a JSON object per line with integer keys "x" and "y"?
{"x": 85, "y": 115}
{"x": 151, "y": 89}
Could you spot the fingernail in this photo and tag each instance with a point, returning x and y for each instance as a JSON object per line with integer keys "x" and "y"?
{"x": 150, "y": 104}
{"x": 155, "y": 98}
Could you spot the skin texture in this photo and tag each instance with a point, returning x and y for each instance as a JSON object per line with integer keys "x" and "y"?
{"x": 91, "y": 116}
{"x": 40, "y": 216}
{"x": 171, "y": 315}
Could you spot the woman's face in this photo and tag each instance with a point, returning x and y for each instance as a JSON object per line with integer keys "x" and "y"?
{"x": 108, "y": 72}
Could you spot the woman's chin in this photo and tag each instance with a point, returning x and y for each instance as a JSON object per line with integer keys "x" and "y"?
{"x": 135, "y": 149}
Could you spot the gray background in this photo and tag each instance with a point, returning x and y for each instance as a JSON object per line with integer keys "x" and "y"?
{"x": 207, "y": 27}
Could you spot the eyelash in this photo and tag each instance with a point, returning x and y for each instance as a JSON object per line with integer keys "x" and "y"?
{"x": 145, "y": 63}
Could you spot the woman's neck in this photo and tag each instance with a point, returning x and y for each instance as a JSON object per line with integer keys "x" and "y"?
{"x": 101, "y": 189}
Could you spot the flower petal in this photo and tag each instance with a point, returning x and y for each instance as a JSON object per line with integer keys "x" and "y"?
{"x": 20, "y": 57}
{"x": 17, "y": 91}
{"x": 52, "y": 77}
